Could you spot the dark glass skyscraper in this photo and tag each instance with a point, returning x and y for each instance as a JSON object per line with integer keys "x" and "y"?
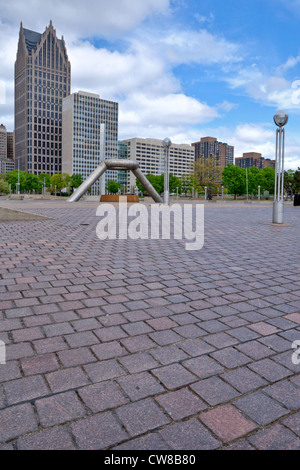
{"x": 42, "y": 80}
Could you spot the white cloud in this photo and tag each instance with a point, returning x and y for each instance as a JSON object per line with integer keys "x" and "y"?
{"x": 205, "y": 19}
{"x": 200, "y": 47}
{"x": 253, "y": 134}
{"x": 272, "y": 90}
{"x": 92, "y": 17}
{"x": 114, "y": 74}
{"x": 172, "y": 112}
{"x": 290, "y": 63}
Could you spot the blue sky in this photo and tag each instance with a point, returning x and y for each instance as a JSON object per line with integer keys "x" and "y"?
{"x": 178, "y": 68}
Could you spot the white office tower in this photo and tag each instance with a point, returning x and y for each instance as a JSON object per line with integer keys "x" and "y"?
{"x": 89, "y": 135}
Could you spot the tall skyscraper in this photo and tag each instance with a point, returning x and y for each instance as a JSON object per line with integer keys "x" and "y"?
{"x": 210, "y": 147}
{"x": 42, "y": 80}
{"x": 90, "y": 134}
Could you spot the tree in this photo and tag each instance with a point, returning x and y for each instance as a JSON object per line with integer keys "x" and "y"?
{"x": 207, "y": 171}
{"x": 174, "y": 183}
{"x": 189, "y": 183}
{"x": 60, "y": 181}
{"x": 12, "y": 179}
{"x": 297, "y": 180}
{"x": 266, "y": 179}
{"x": 31, "y": 183}
{"x": 45, "y": 178}
{"x": 113, "y": 186}
{"x": 4, "y": 186}
{"x": 234, "y": 178}
{"x": 253, "y": 184}
{"x": 157, "y": 182}
{"x": 76, "y": 181}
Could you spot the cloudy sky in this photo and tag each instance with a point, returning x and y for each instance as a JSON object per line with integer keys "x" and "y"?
{"x": 182, "y": 69}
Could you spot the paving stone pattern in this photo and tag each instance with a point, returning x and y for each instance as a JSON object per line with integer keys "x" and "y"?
{"x": 123, "y": 344}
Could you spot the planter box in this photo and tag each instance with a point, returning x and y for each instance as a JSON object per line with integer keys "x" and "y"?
{"x": 116, "y": 198}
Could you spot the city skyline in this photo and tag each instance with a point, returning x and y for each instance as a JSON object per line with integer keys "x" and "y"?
{"x": 177, "y": 68}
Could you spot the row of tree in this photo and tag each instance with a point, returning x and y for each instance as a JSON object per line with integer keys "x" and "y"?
{"x": 236, "y": 181}
{"x": 204, "y": 173}
{"x": 240, "y": 181}
{"x": 37, "y": 184}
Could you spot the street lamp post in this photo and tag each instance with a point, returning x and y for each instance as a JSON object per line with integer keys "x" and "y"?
{"x": 280, "y": 119}
{"x": 18, "y": 184}
{"x": 166, "y": 144}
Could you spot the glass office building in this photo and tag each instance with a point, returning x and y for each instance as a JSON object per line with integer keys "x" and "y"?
{"x": 89, "y": 135}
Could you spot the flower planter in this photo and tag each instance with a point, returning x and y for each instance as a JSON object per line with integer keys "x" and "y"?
{"x": 116, "y": 198}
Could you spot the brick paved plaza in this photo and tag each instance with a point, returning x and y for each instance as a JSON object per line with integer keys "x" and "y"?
{"x": 143, "y": 345}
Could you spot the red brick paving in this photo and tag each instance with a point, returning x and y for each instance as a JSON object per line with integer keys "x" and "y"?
{"x": 142, "y": 345}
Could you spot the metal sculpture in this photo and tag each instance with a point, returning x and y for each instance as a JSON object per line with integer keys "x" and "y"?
{"x": 115, "y": 165}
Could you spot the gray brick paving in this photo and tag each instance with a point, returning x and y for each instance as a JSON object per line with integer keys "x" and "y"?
{"x": 142, "y": 345}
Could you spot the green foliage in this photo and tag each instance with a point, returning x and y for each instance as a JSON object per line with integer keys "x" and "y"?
{"x": 174, "y": 183}
{"x": 45, "y": 178}
{"x": 158, "y": 183}
{"x": 266, "y": 179}
{"x": 4, "y": 186}
{"x": 113, "y": 186}
{"x": 297, "y": 181}
{"x": 76, "y": 181}
{"x": 253, "y": 173}
{"x": 31, "y": 183}
{"x": 60, "y": 181}
{"x": 207, "y": 171}
{"x": 234, "y": 178}
{"x": 189, "y": 183}
{"x": 12, "y": 179}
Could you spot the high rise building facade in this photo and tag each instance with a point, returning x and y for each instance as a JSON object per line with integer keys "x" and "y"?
{"x": 7, "y": 163}
{"x": 210, "y": 147}
{"x": 42, "y": 80}
{"x": 150, "y": 154}
{"x": 3, "y": 142}
{"x": 123, "y": 175}
{"x": 11, "y": 146}
{"x": 251, "y": 159}
{"x": 89, "y": 135}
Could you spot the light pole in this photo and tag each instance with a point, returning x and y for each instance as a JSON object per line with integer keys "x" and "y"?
{"x": 222, "y": 193}
{"x": 18, "y": 184}
{"x": 166, "y": 144}
{"x": 281, "y": 118}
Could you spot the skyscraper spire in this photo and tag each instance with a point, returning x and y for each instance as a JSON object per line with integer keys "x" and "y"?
{"x": 38, "y": 111}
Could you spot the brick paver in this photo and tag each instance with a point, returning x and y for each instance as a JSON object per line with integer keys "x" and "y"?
{"x": 125, "y": 345}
